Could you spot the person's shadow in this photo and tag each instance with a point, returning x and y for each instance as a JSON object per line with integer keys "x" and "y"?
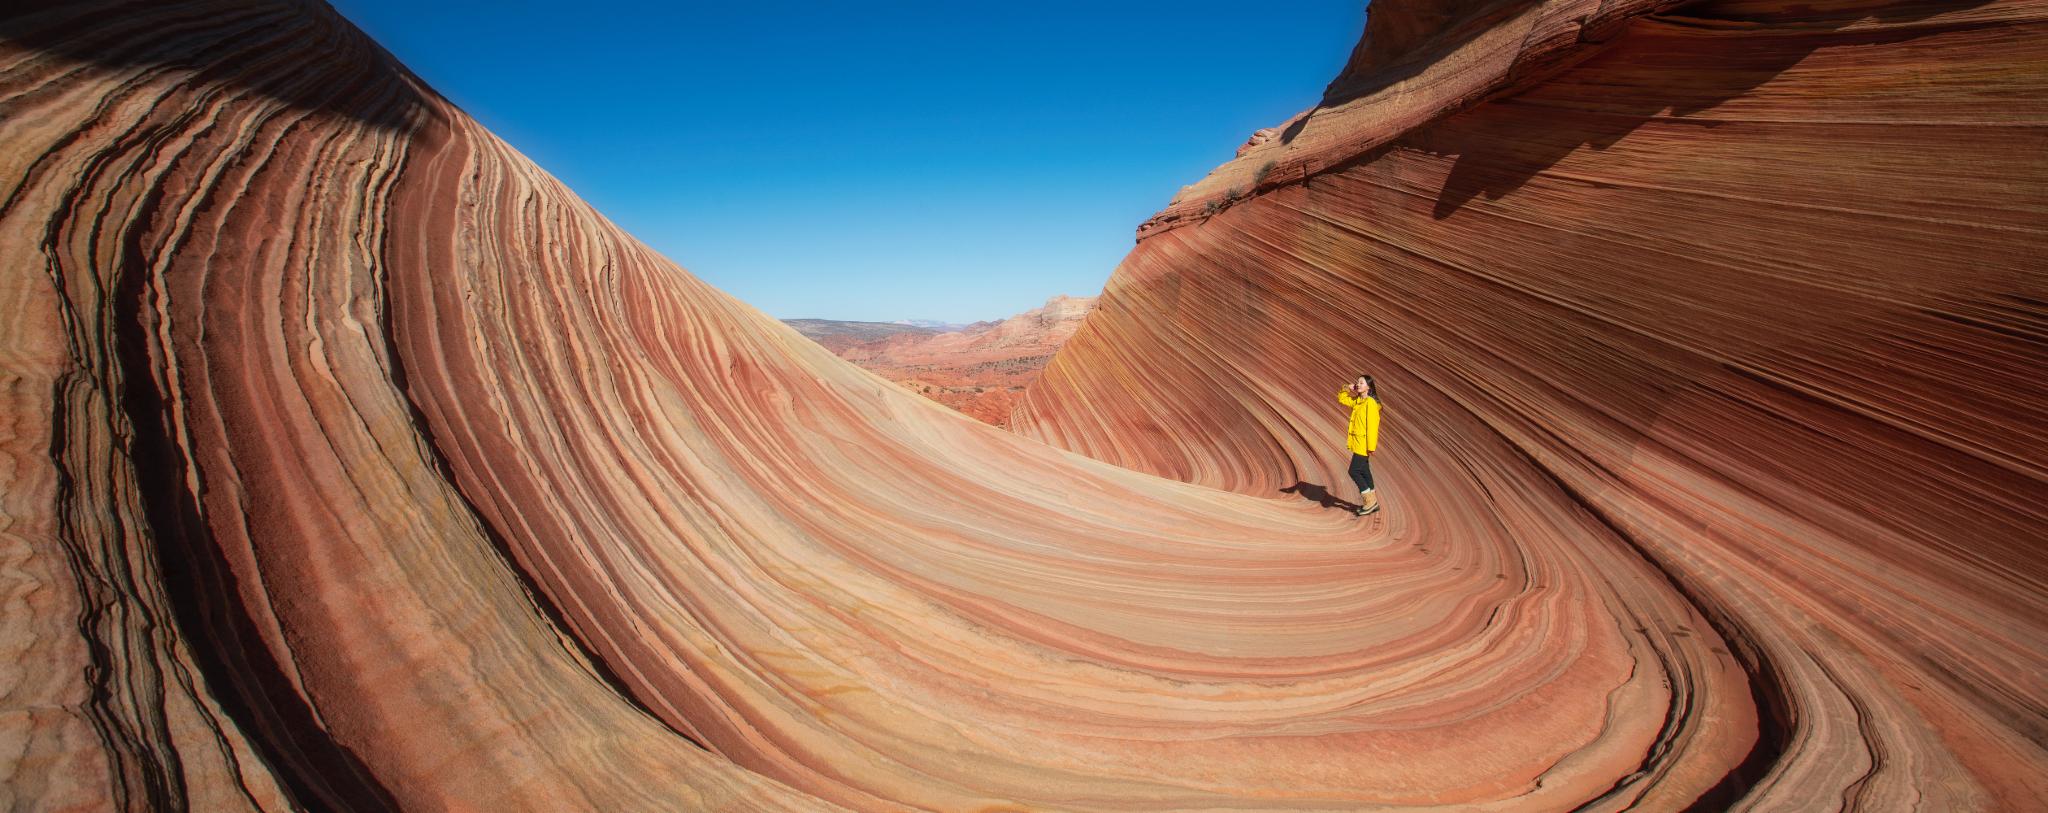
{"x": 1318, "y": 495}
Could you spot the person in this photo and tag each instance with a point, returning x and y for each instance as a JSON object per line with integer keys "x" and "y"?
{"x": 1364, "y": 436}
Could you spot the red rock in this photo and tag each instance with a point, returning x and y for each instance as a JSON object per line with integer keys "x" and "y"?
{"x": 351, "y": 461}
{"x": 1755, "y": 292}
{"x": 980, "y": 370}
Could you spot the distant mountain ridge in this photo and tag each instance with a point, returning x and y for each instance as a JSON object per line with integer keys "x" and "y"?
{"x": 936, "y": 325}
{"x": 980, "y": 369}
{"x": 838, "y": 335}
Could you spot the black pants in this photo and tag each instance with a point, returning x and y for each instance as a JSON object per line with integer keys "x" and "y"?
{"x": 1361, "y": 472}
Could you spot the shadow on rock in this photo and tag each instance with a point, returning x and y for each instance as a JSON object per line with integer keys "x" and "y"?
{"x": 1318, "y": 495}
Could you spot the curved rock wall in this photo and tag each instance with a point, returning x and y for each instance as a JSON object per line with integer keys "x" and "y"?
{"x": 351, "y": 462}
{"x": 1759, "y": 286}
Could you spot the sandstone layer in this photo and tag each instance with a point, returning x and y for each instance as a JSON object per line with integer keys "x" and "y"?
{"x": 352, "y": 462}
{"x": 1758, "y": 290}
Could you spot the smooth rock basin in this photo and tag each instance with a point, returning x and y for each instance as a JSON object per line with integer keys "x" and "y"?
{"x": 350, "y": 461}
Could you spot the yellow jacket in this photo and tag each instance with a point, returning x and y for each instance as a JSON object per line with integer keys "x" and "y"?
{"x": 1365, "y": 422}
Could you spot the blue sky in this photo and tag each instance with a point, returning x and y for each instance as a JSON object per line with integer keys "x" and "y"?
{"x": 876, "y": 161}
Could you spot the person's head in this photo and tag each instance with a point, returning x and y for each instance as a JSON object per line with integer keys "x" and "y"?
{"x": 1364, "y": 384}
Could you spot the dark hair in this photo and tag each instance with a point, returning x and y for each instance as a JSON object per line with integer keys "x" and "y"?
{"x": 1372, "y": 388}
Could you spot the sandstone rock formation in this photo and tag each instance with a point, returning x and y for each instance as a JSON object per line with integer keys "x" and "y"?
{"x": 980, "y": 369}
{"x": 1758, "y": 292}
{"x": 352, "y": 462}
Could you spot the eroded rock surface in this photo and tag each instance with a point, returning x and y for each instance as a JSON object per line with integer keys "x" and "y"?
{"x": 1756, "y": 290}
{"x": 352, "y": 462}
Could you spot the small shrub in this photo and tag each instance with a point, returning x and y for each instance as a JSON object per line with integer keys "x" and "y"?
{"x": 1218, "y": 205}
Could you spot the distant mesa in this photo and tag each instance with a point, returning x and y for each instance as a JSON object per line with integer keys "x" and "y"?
{"x": 933, "y": 324}
{"x": 838, "y": 335}
{"x": 980, "y": 369}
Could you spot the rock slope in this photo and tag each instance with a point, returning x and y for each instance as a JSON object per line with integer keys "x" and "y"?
{"x": 351, "y": 462}
{"x": 1756, "y": 291}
